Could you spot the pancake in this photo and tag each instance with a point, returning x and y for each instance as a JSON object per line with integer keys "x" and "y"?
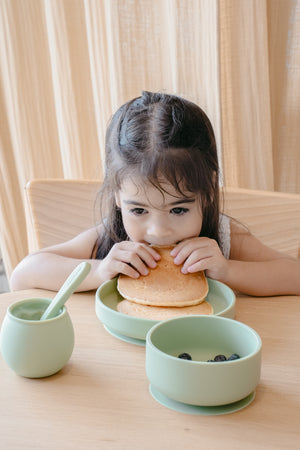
{"x": 165, "y": 285}
{"x": 162, "y": 312}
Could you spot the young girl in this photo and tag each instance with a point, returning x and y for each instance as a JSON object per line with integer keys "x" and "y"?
{"x": 161, "y": 187}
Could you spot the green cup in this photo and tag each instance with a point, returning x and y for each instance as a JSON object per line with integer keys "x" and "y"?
{"x": 32, "y": 347}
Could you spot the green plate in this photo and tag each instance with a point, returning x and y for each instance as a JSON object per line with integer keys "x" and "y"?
{"x": 134, "y": 329}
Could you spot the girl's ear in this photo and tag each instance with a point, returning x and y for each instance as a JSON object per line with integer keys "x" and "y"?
{"x": 117, "y": 198}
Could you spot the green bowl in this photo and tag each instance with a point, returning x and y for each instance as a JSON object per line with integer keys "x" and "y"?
{"x": 197, "y": 381}
{"x": 134, "y": 329}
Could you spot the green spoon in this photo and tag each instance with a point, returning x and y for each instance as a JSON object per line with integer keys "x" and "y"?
{"x": 67, "y": 289}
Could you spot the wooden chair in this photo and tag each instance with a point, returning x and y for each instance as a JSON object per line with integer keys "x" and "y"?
{"x": 60, "y": 209}
{"x": 273, "y": 217}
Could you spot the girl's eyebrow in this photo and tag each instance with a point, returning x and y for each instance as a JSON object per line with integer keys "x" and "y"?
{"x": 177, "y": 202}
{"x": 183, "y": 200}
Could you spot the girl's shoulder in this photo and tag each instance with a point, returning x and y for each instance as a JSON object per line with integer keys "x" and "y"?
{"x": 231, "y": 231}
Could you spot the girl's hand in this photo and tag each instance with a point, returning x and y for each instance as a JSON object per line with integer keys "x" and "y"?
{"x": 201, "y": 253}
{"x": 129, "y": 258}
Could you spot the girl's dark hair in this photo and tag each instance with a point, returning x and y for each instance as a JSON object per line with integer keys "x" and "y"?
{"x": 158, "y": 136}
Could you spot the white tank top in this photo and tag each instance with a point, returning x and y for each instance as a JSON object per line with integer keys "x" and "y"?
{"x": 224, "y": 234}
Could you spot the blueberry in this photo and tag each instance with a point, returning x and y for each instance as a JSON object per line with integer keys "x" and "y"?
{"x": 219, "y": 358}
{"x": 233, "y": 357}
{"x": 185, "y": 356}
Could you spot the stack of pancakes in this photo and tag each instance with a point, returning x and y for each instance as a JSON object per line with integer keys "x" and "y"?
{"x": 165, "y": 292}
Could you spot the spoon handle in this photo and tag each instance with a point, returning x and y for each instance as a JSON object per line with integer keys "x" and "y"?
{"x": 67, "y": 289}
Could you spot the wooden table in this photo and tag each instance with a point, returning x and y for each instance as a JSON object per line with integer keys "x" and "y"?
{"x": 101, "y": 399}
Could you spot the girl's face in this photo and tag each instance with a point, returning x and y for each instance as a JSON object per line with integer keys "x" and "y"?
{"x": 158, "y": 218}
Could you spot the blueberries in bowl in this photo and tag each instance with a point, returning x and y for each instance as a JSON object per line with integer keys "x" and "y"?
{"x": 220, "y": 358}
{"x": 217, "y": 358}
{"x": 185, "y": 356}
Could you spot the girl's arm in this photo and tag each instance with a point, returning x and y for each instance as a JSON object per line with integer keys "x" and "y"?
{"x": 48, "y": 268}
{"x": 253, "y": 268}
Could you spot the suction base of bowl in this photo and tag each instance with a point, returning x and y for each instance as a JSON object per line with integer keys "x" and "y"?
{"x": 128, "y": 339}
{"x": 200, "y": 410}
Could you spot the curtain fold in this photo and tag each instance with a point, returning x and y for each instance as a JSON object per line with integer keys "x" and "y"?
{"x": 284, "y": 57}
{"x": 67, "y": 65}
{"x": 245, "y": 95}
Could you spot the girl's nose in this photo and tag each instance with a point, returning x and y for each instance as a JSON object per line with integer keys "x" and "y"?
{"x": 159, "y": 228}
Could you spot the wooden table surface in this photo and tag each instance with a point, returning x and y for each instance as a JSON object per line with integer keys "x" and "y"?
{"x": 101, "y": 399}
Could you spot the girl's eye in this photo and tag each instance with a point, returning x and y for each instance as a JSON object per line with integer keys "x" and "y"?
{"x": 179, "y": 211}
{"x": 138, "y": 211}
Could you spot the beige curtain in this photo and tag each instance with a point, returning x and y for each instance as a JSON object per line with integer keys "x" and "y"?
{"x": 66, "y": 65}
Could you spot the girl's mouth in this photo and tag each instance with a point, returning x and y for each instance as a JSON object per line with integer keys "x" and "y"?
{"x": 153, "y": 244}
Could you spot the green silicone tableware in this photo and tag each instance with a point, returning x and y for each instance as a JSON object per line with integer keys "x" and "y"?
{"x": 199, "y": 382}
{"x": 37, "y": 337}
{"x": 133, "y": 329}
{"x": 67, "y": 289}
{"x": 32, "y": 347}
{"x": 201, "y": 410}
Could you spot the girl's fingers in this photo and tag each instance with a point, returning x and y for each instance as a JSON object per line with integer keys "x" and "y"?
{"x": 133, "y": 259}
{"x": 203, "y": 264}
{"x": 141, "y": 254}
{"x": 196, "y": 259}
{"x": 153, "y": 252}
{"x": 147, "y": 253}
{"x": 198, "y": 254}
{"x": 149, "y": 256}
{"x": 188, "y": 248}
{"x": 126, "y": 269}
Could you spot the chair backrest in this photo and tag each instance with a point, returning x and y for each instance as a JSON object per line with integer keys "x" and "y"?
{"x": 273, "y": 217}
{"x": 60, "y": 209}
